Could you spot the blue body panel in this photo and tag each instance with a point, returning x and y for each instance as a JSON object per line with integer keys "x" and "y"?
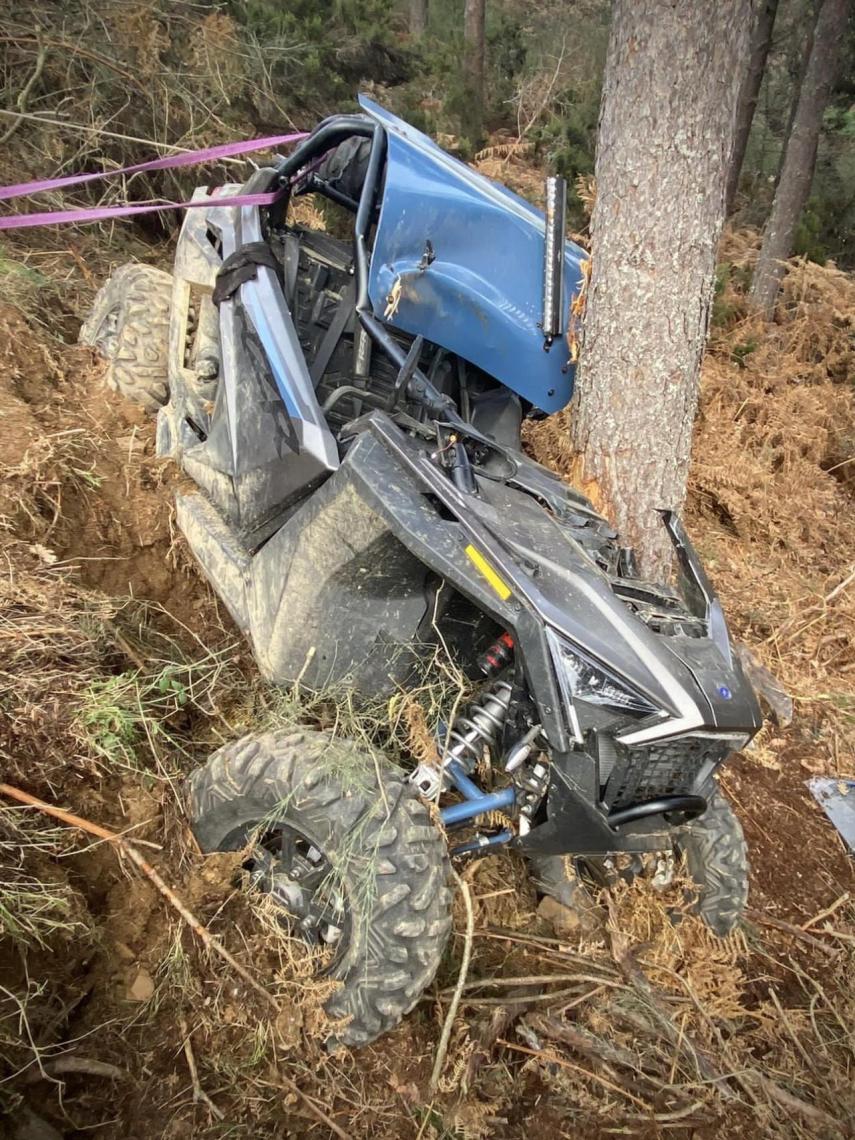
{"x": 481, "y": 296}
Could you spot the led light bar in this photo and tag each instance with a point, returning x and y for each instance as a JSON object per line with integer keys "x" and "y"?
{"x": 553, "y": 258}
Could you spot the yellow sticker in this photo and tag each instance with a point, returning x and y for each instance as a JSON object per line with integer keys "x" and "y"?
{"x": 480, "y": 563}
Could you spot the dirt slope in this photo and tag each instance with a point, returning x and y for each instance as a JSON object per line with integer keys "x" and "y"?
{"x": 119, "y": 672}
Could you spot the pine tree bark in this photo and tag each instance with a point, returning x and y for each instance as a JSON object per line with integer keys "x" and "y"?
{"x": 418, "y": 17}
{"x": 807, "y": 48}
{"x": 473, "y": 70}
{"x": 667, "y": 118}
{"x": 797, "y": 169}
{"x": 761, "y": 38}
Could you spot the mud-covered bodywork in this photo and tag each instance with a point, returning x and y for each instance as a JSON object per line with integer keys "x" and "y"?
{"x": 262, "y": 439}
{"x": 468, "y": 255}
{"x": 363, "y": 496}
{"x": 345, "y": 594}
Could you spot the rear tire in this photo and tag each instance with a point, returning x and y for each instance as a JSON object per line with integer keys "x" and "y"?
{"x": 129, "y": 325}
{"x": 377, "y": 837}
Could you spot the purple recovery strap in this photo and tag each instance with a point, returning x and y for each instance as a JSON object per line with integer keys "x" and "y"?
{"x": 99, "y": 213}
{"x": 187, "y": 158}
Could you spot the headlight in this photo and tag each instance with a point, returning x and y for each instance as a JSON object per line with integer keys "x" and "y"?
{"x": 587, "y": 681}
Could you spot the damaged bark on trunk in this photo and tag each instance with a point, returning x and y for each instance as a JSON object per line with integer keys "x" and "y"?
{"x": 673, "y": 75}
{"x": 418, "y": 17}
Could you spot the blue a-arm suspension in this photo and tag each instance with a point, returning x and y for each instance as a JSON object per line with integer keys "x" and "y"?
{"x": 475, "y": 801}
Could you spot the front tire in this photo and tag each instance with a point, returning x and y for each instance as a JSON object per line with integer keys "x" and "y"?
{"x": 716, "y": 856}
{"x": 354, "y": 810}
{"x": 129, "y": 325}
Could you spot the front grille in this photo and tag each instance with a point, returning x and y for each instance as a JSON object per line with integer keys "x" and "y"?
{"x": 673, "y": 768}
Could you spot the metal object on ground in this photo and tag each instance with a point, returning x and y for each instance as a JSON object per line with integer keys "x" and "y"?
{"x": 836, "y": 797}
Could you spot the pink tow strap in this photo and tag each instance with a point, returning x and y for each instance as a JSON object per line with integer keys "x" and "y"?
{"x": 99, "y": 213}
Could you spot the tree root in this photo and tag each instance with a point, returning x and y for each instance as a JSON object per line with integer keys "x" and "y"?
{"x": 213, "y": 944}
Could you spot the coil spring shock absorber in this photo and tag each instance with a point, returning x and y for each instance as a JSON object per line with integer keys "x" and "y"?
{"x": 480, "y": 726}
{"x": 499, "y": 655}
{"x": 476, "y": 729}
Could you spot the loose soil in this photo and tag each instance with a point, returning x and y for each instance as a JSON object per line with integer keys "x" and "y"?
{"x": 113, "y": 520}
{"x": 100, "y": 600}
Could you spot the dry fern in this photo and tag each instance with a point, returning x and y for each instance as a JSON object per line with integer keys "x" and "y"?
{"x": 586, "y": 191}
{"x": 516, "y": 148}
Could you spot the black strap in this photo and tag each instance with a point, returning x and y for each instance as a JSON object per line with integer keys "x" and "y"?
{"x": 333, "y": 334}
{"x": 291, "y": 251}
{"x": 241, "y": 266}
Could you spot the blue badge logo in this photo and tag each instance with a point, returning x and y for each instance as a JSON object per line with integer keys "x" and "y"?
{"x": 725, "y": 693}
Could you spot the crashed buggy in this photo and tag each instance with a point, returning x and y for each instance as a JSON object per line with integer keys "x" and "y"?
{"x": 350, "y": 411}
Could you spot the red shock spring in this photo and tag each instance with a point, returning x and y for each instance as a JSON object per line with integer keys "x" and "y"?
{"x": 499, "y": 655}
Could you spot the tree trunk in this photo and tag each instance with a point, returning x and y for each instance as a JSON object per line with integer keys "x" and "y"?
{"x": 418, "y": 17}
{"x": 761, "y": 38}
{"x": 800, "y": 154}
{"x": 672, "y": 80}
{"x": 807, "y": 48}
{"x": 473, "y": 70}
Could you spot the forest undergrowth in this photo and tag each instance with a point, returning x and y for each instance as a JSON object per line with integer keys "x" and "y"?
{"x": 119, "y": 672}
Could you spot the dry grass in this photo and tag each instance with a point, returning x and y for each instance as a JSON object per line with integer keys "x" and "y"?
{"x": 772, "y": 487}
{"x": 670, "y": 1025}
{"x": 649, "y": 1027}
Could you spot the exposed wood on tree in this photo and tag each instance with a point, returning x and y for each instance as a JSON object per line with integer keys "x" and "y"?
{"x": 672, "y": 81}
{"x": 418, "y": 17}
{"x": 473, "y": 70}
{"x": 797, "y": 169}
{"x": 761, "y": 38}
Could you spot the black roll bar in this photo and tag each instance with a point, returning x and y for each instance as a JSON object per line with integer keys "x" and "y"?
{"x": 327, "y": 135}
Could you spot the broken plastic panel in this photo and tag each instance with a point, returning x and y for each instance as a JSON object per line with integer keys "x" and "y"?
{"x": 836, "y": 797}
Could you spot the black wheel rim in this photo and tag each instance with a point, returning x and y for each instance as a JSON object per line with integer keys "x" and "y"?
{"x": 292, "y": 869}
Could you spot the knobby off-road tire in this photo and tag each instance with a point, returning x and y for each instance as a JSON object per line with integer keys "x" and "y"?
{"x": 129, "y": 325}
{"x": 717, "y": 861}
{"x": 377, "y": 836}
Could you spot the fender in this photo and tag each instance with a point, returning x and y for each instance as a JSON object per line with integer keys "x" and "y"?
{"x": 466, "y": 256}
